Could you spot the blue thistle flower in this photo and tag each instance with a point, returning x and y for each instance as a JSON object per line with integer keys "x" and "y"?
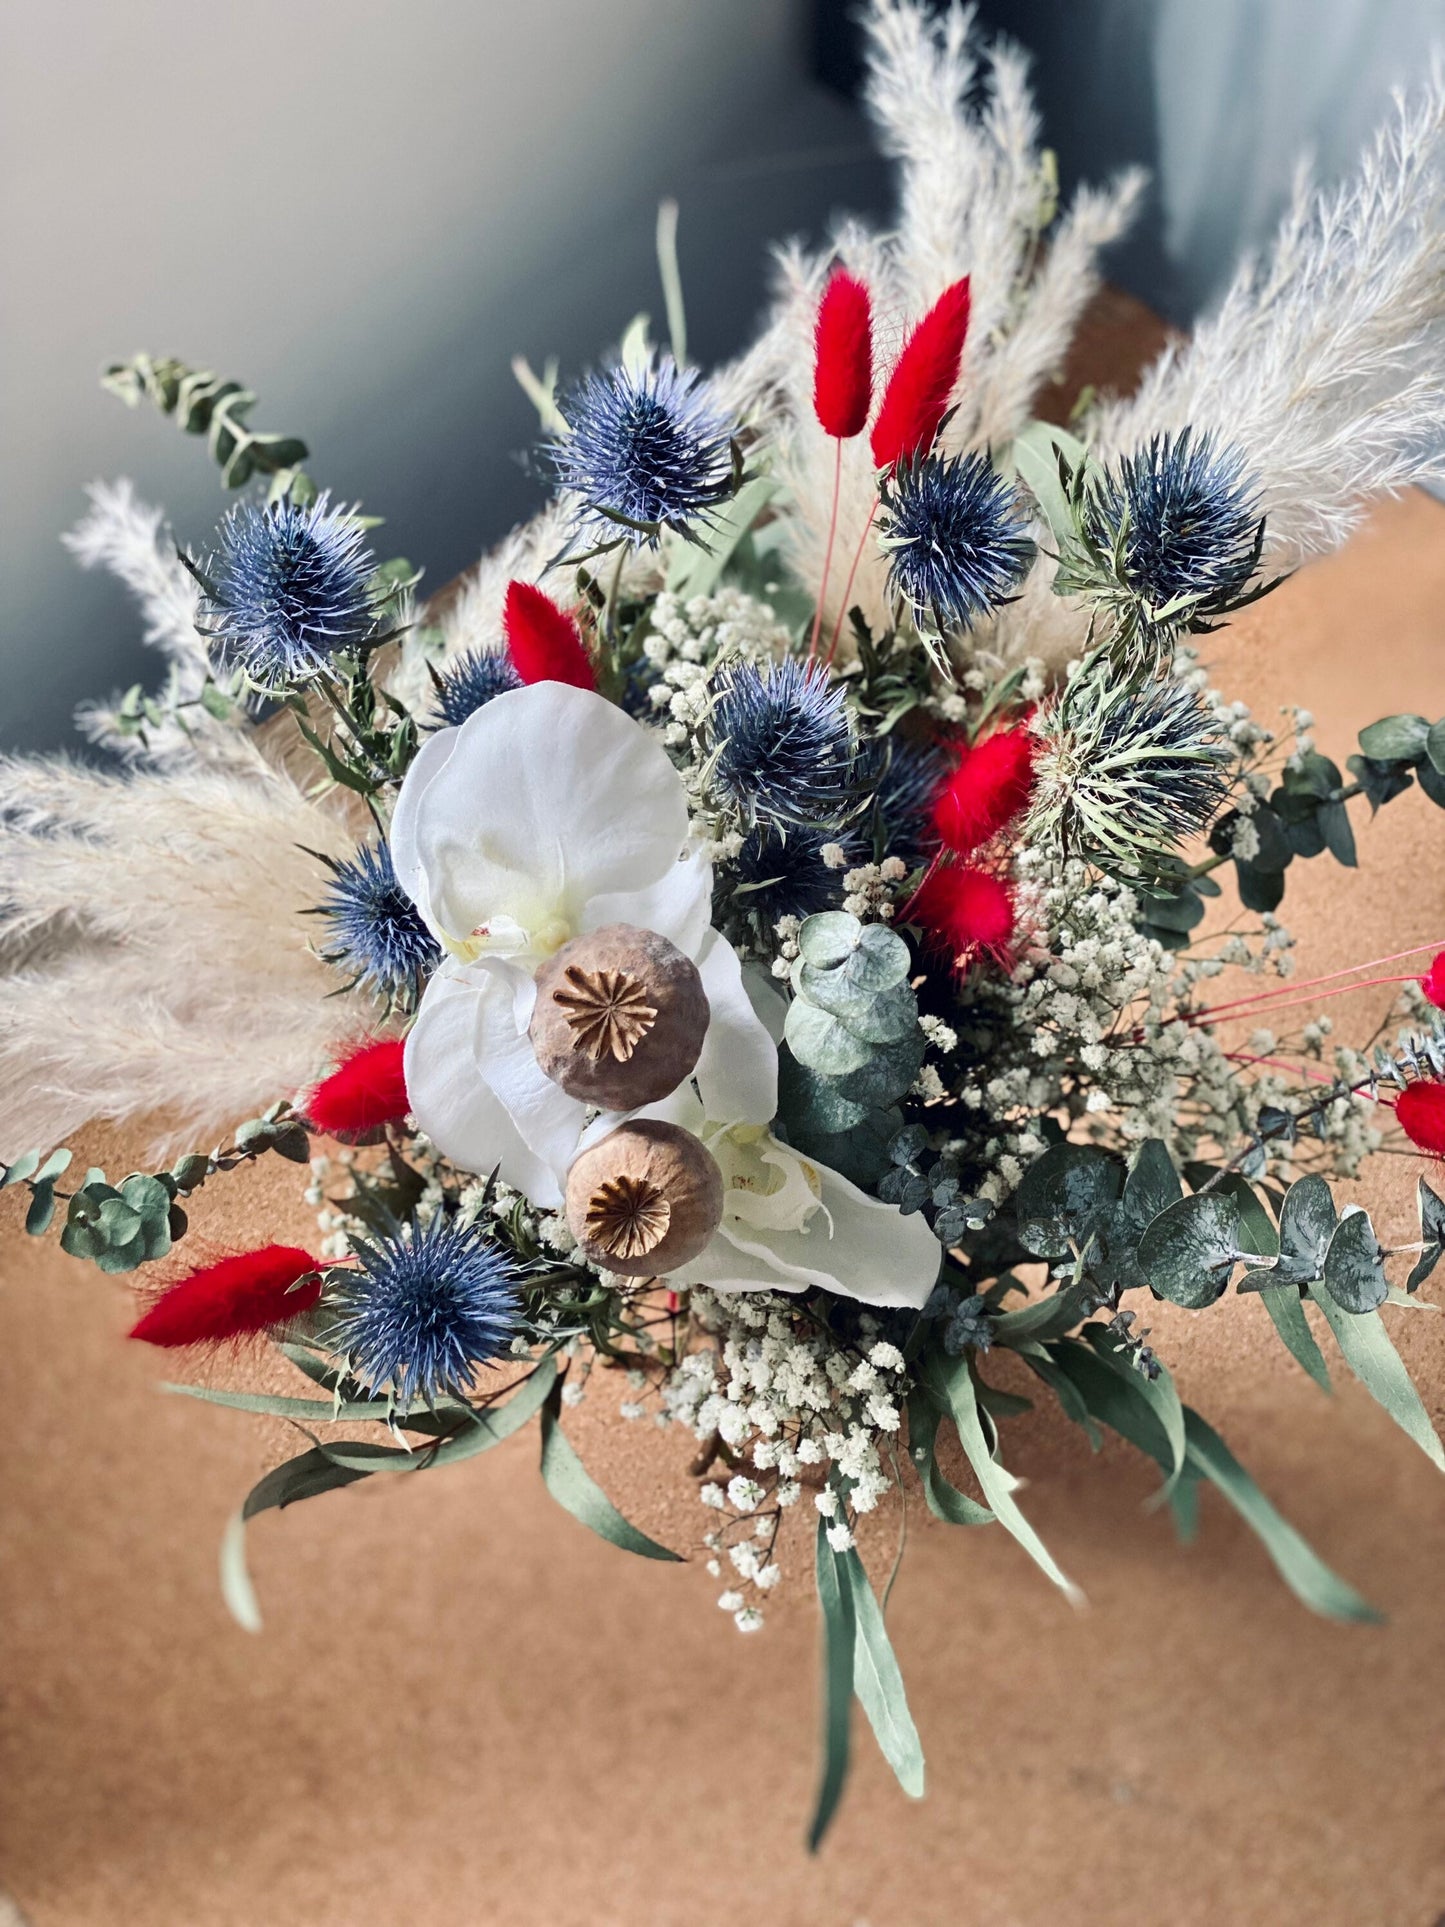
{"x": 906, "y": 776}
{"x": 288, "y": 589}
{"x": 376, "y": 930}
{"x": 1127, "y": 769}
{"x": 470, "y": 683}
{"x": 780, "y": 872}
{"x": 958, "y": 538}
{"x": 423, "y": 1312}
{"x": 784, "y": 748}
{"x": 646, "y": 444}
{"x": 1190, "y": 518}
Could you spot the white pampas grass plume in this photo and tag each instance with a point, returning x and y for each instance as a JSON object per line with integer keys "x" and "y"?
{"x": 1325, "y": 363}
{"x": 975, "y": 198}
{"x": 155, "y": 949}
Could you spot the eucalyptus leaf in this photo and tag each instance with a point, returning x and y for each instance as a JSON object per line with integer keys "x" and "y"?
{"x": 24, "y": 1166}
{"x": 1067, "y": 1195}
{"x": 878, "y": 1683}
{"x": 1159, "y": 1394}
{"x": 823, "y": 1043}
{"x": 951, "y": 1381}
{"x": 1307, "y": 1222}
{"x": 42, "y": 1210}
{"x": 577, "y": 1492}
{"x": 1296, "y": 1561}
{"x": 1371, "y": 1356}
{"x": 1287, "y": 1312}
{"x": 1334, "y": 822}
{"x": 1432, "y": 1236}
{"x": 1190, "y": 1250}
{"x": 1435, "y": 747}
{"x": 1354, "y": 1270}
{"x": 1396, "y": 739}
{"x": 942, "y": 1497}
{"x": 304, "y": 1477}
{"x": 835, "y": 1598}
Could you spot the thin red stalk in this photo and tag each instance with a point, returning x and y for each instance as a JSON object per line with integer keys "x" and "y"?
{"x": 828, "y": 552}
{"x": 1260, "y": 1009}
{"x": 1372, "y": 963}
{"x": 848, "y": 586}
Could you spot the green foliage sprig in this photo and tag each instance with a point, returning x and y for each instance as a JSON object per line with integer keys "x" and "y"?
{"x": 121, "y": 1226}
{"x": 205, "y": 404}
{"x": 853, "y": 1042}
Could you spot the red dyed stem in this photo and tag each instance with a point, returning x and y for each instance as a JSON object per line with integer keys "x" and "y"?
{"x": 848, "y": 586}
{"x": 828, "y": 552}
{"x": 1259, "y": 1008}
{"x": 1330, "y": 976}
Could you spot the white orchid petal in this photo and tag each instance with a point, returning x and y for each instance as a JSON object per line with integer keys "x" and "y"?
{"x": 548, "y": 1121}
{"x": 737, "y": 1073}
{"x": 852, "y": 1245}
{"x": 405, "y": 858}
{"x": 550, "y": 796}
{"x": 677, "y": 906}
{"x": 452, "y": 1102}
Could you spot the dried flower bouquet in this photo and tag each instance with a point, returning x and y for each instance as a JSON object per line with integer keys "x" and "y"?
{"x": 762, "y": 933}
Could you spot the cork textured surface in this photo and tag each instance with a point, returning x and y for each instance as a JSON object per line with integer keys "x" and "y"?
{"x": 463, "y": 1706}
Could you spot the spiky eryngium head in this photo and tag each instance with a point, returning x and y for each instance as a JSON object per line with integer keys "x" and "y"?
{"x": 1128, "y": 768}
{"x": 288, "y": 589}
{"x": 904, "y": 777}
{"x": 780, "y": 871}
{"x": 1182, "y": 517}
{"x": 375, "y": 931}
{"x": 421, "y": 1313}
{"x": 783, "y": 744}
{"x": 469, "y": 683}
{"x": 957, "y": 538}
{"x": 646, "y": 445}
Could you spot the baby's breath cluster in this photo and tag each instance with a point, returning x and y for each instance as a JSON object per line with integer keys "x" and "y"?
{"x": 781, "y": 1401}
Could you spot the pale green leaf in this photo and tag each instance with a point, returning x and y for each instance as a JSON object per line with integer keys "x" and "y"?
{"x": 1371, "y": 1356}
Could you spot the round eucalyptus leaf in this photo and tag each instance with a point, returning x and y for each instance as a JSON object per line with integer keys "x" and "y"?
{"x": 1435, "y": 747}
{"x": 889, "y": 1017}
{"x": 1396, "y": 739}
{"x": 1354, "y": 1272}
{"x": 1067, "y": 1196}
{"x": 1152, "y": 1184}
{"x": 1189, "y": 1251}
{"x": 888, "y": 1073}
{"x": 1307, "y": 1222}
{"x": 827, "y": 938}
{"x": 1432, "y": 782}
{"x": 820, "y": 1041}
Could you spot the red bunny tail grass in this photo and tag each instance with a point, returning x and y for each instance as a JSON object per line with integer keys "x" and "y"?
{"x": 233, "y": 1299}
{"x": 366, "y": 1090}
{"x": 843, "y": 364}
{"x": 1421, "y": 1111}
{"x": 922, "y": 380}
{"x": 962, "y": 911}
{"x": 1433, "y": 982}
{"x": 986, "y": 791}
{"x": 544, "y": 642}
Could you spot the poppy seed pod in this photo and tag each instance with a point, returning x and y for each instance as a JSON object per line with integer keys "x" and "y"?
{"x": 645, "y": 1199}
{"x": 620, "y": 1017}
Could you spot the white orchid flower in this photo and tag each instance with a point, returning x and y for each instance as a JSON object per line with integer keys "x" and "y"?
{"x": 790, "y": 1223}
{"x": 547, "y": 814}
{"x": 550, "y": 813}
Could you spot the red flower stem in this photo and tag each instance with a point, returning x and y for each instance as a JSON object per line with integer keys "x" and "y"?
{"x": 828, "y": 552}
{"x": 1329, "y": 977}
{"x": 848, "y": 586}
